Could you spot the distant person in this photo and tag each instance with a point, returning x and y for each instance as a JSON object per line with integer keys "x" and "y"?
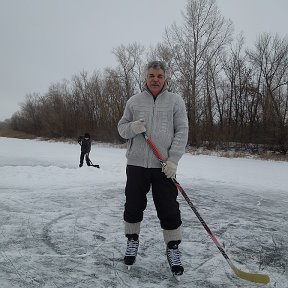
{"x": 85, "y": 143}
{"x": 162, "y": 115}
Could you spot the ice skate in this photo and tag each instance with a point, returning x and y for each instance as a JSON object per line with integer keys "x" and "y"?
{"x": 131, "y": 250}
{"x": 173, "y": 257}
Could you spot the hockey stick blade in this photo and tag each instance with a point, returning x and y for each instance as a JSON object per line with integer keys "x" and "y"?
{"x": 252, "y": 277}
{"x": 93, "y": 165}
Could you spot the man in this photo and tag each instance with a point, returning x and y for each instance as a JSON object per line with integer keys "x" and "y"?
{"x": 85, "y": 144}
{"x": 162, "y": 115}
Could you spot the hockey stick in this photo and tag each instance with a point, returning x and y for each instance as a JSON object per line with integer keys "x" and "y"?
{"x": 252, "y": 277}
{"x": 94, "y": 165}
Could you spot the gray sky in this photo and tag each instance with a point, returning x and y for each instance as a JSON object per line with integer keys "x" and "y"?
{"x": 46, "y": 41}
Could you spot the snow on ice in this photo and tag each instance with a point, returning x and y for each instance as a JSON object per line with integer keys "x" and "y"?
{"x": 61, "y": 225}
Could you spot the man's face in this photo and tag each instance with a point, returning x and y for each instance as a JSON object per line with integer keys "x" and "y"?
{"x": 155, "y": 80}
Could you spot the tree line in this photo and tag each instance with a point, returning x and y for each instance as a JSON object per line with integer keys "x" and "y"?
{"x": 232, "y": 93}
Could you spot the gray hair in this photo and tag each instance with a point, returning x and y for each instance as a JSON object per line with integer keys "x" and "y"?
{"x": 157, "y": 65}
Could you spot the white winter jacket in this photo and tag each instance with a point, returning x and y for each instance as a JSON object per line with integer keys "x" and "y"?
{"x": 166, "y": 124}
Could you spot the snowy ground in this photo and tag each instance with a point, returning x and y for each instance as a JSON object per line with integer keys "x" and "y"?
{"x": 61, "y": 226}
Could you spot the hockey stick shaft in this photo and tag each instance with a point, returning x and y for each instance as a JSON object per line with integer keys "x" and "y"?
{"x": 252, "y": 277}
{"x": 91, "y": 163}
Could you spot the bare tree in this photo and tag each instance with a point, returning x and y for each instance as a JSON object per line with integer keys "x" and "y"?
{"x": 204, "y": 34}
{"x": 30, "y": 115}
{"x": 237, "y": 76}
{"x": 130, "y": 66}
{"x": 270, "y": 60}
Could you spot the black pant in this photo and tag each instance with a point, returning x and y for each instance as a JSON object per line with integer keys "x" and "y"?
{"x": 164, "y": 193}
{"x": 86, "y": 158}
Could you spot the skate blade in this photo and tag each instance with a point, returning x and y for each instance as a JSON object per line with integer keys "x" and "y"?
{"x": 177, "y": 277}
{"x": 129, "y": 267}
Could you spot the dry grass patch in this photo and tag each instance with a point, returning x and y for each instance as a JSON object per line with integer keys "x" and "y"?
{"x": 265, "y": 155}
{"x": 16, "y": 134}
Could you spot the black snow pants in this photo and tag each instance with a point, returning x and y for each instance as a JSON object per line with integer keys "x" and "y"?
{"x": 164, "y": 193}
{"x": 86, "y": 155}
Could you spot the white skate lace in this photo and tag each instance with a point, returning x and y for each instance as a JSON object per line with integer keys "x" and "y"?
{"x": 132, "y": 247}
{"x": 174, "y": 257}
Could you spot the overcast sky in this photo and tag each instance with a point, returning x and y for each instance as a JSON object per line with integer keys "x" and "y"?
{"x": 45, "y": 41}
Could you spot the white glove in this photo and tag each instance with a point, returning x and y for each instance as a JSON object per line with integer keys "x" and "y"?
{"x": 169, "y": 168}
{"x": 138, "y": 126}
